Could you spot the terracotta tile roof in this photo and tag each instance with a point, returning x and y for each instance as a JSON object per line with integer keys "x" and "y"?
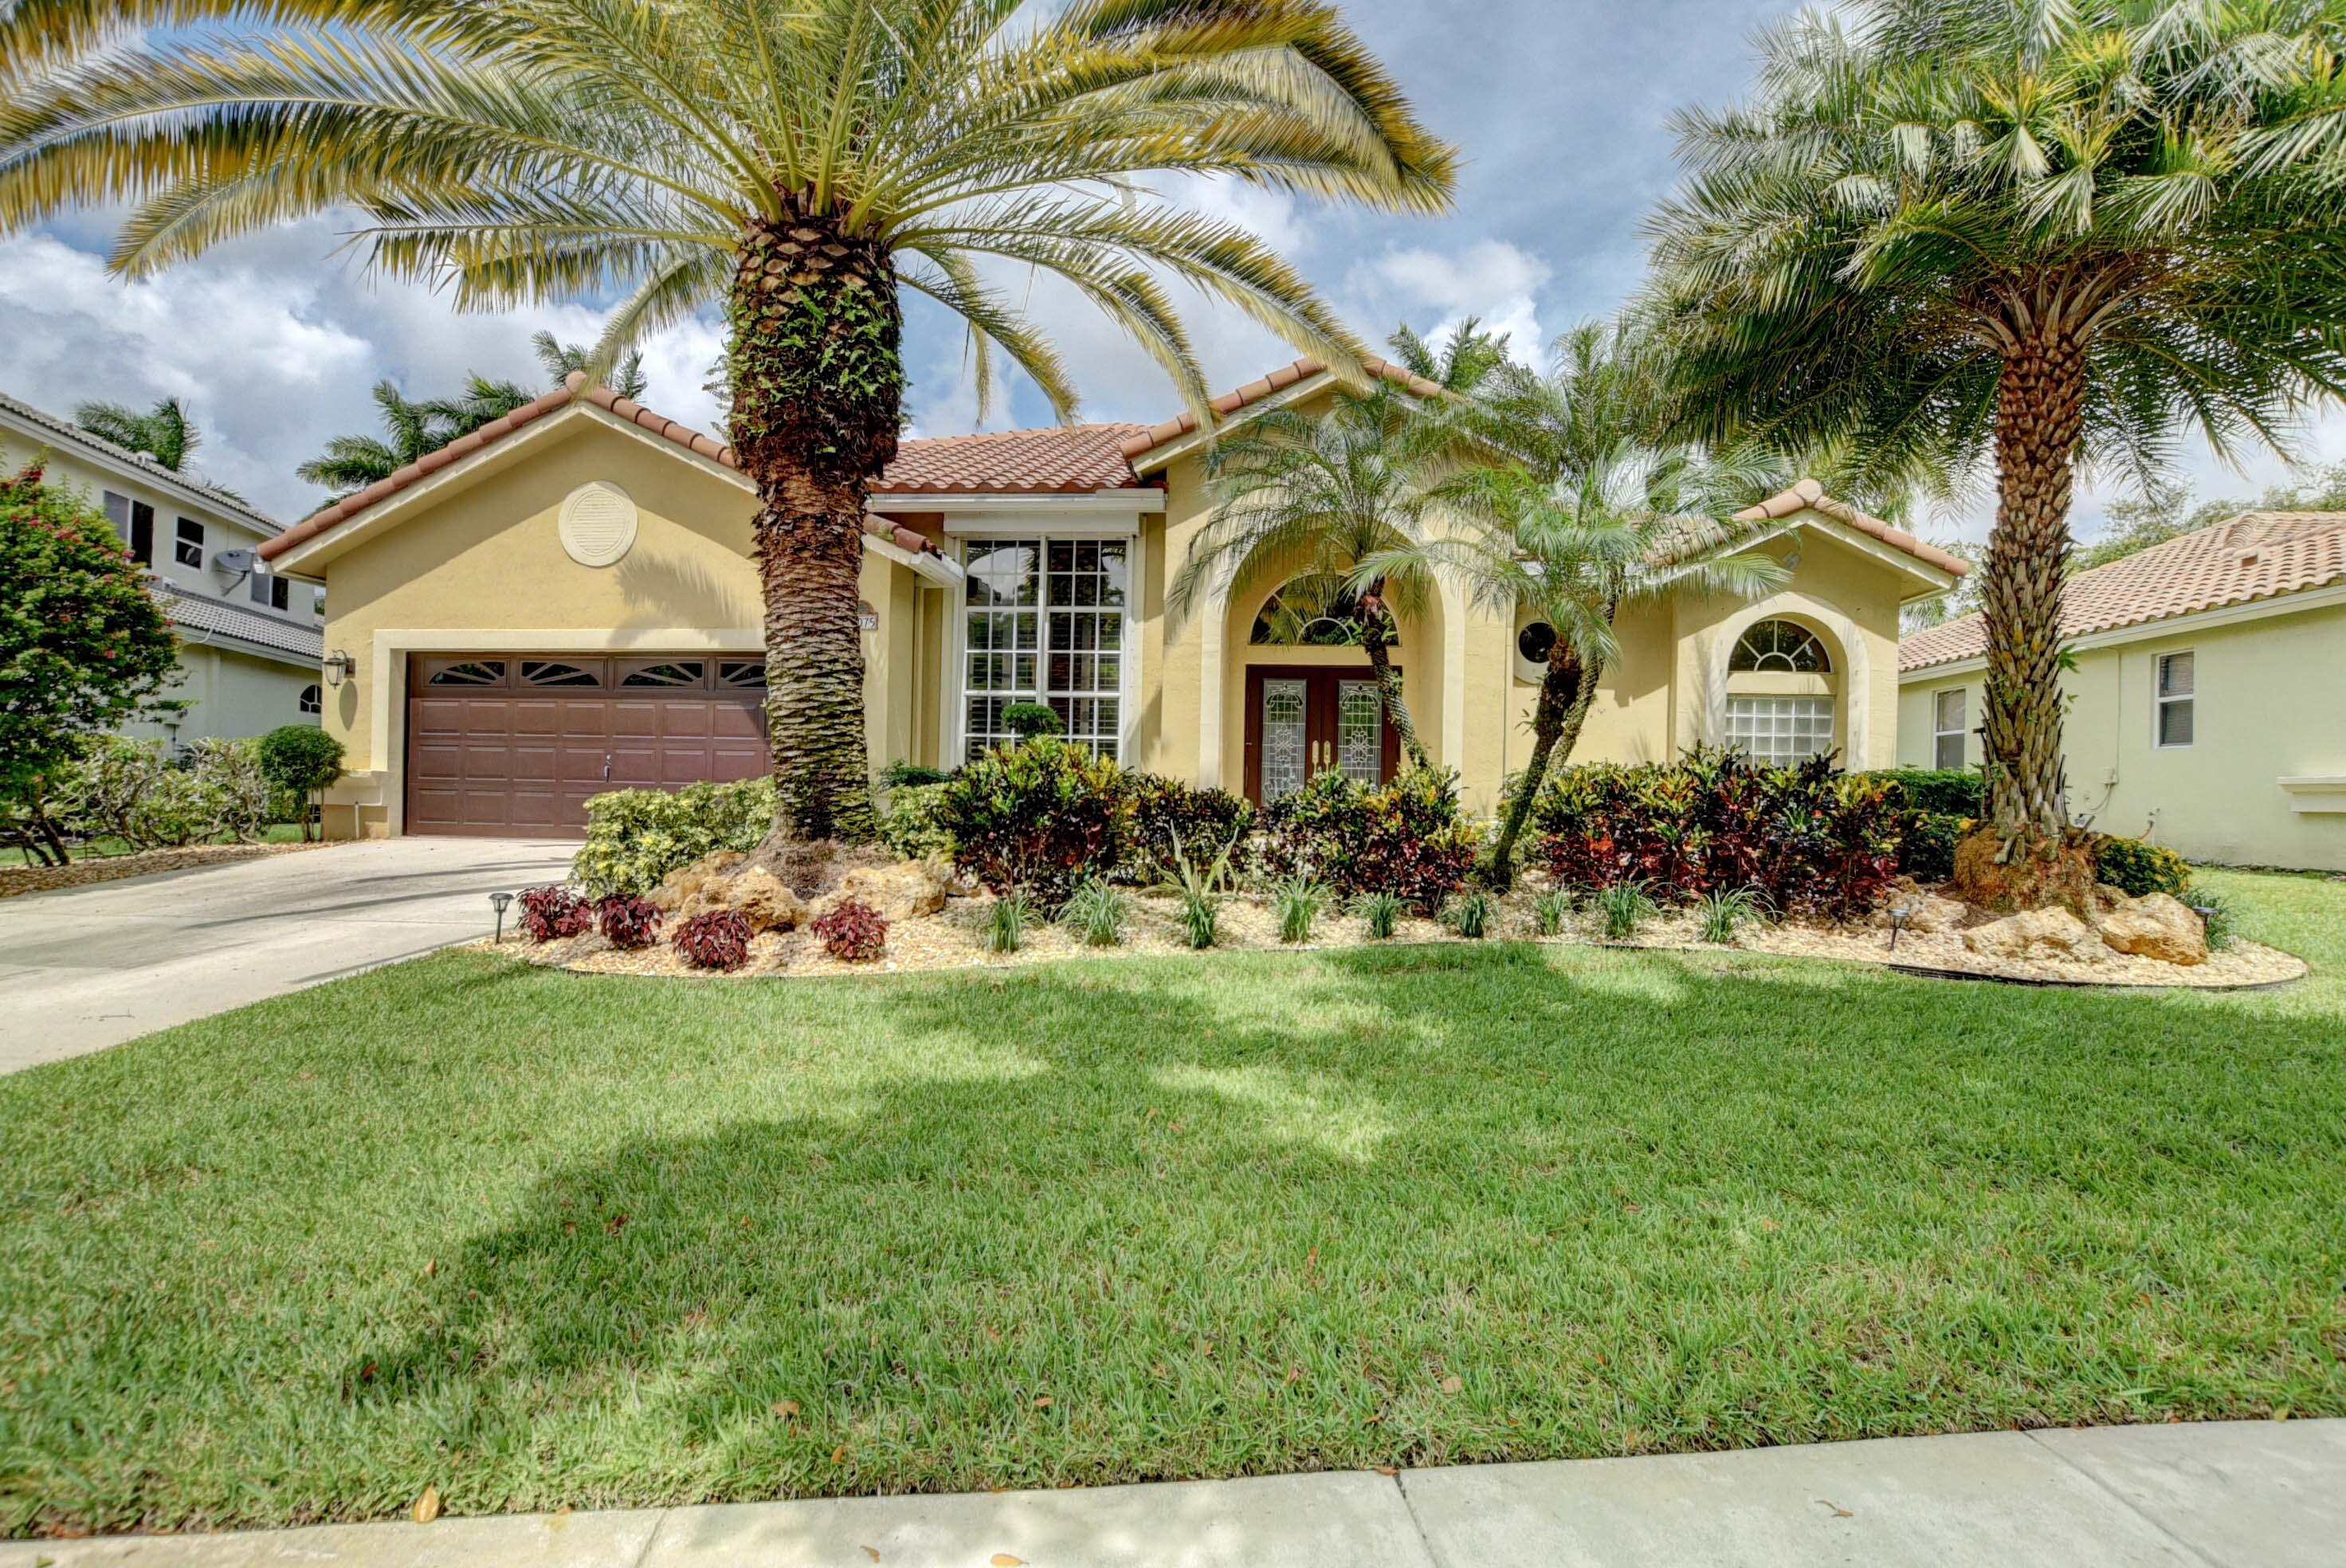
{"x": 1148, "y": 438}
{"x": 2256, "y": 555}
{"x": 1807, "y": 495}
{"x": 1059, "y": 460}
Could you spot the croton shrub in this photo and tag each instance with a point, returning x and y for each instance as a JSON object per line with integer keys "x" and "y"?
{"x": 556, "y": 909}
{"x": 629, "y": 923}
{"x": 852, "y": 931}
{"x": 1166, "y": 810}
{"x": 1045, "y": 816}
{"x": 1406, "y": 838}
{"x": 715, "y": 938}
{"x": 1808, "y": 839}
{"x": 2138, "y": 869}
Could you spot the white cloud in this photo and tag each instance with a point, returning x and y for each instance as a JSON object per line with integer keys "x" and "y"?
{"x": 1492, "y": 279}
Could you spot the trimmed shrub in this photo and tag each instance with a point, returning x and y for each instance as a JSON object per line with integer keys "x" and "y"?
{"x": 714, "y": 939}
{"x": 852, "y": 931}
{"x": 1943, "y": 791}
{"x": 1926, "y": 844}
{"x": 1031, "y": 720}
{"x": 1165, "y": 808}
{"x": 556, "y": 909}
{"x": 909, "y": 826}
{"x": 2138, "y": 869}
{"x": 902, "y": 775}
{"x": 1406, "y": 838}
{"x": 301, "y": 760}
{"x": 631, "y": 924}
{"x": 1043, "y": 816}
{"x": 1807, "y": 839}
{"x": 636, "y": 837}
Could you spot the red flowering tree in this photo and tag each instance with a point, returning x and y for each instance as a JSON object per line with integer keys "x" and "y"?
{"x": 83, "y": 648}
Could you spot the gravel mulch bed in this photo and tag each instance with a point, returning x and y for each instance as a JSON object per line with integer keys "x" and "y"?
{"x": 15, "y": 880}
{"x": 955, "y": 940}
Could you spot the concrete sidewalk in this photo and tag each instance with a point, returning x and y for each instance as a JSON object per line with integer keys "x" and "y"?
{"x": 2260, "y": 1494}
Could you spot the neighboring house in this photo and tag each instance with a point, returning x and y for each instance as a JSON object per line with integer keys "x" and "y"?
{"x": 248, "y": 642}
{"x": 2208, "y": 704}
{"x": 564, "y": 602}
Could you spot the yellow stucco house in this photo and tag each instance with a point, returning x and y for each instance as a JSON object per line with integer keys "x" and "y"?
{"x": 563, "y": 602}
{"x": 2208, "y": 701}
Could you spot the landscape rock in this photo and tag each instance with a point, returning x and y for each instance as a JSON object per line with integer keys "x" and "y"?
{"x": 1924, "y": 911}
{"x": 682, "y": 888}
{"x": 903, "y": 892}
{"x": 2155, "y": 926}
{"x": 2037, "y": 934}
{"x": 762, "y": 897}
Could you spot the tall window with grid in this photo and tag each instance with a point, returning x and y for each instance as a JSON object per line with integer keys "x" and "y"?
{"x": 1044, "y": 623}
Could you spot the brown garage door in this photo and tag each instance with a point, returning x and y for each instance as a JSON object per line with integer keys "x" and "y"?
{"x": 515, "y": 743}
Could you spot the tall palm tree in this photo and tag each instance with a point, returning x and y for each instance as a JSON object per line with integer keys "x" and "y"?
{"x": 561, "y": 360}
{"x": 2039, "y": 231}
{"x": 163, "y": 433}
{"x": 1330, "y": 494}
{"x": 801, "y": 162}
{"x": 411, "y": 429}
{"x": 1592, "y": 516}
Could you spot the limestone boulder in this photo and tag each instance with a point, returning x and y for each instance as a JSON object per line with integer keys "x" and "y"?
{"x": 682, "y": 888}
{"x": 2036, "y": 936}
{"x": 1924, "y": 911}
{"x": 762, "y": 897}
{"x": 899, "y": 892}
{"x": 2155, "y": 926}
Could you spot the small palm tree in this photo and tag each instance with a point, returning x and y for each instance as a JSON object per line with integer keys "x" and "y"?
{"x": 563, "y": 359}
{"x": 411, "y": 429}
{"x": 799, "y": 162}
{"x": 1335, "y": 494}
{"x": 163, "y": 433}
{"x": 1947, "y": 230}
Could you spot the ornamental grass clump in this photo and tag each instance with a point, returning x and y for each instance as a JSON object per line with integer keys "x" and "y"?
{"x": 1625, "y": 907}
{"x": 1096, "y": 914}
{"x": 1201, "y": 890}
{"x": 2216, "y": 915}
{"x": 1297, "y": 902}
{"x": 1721, "y": 913}
{"x": 1378, "y": 913}
{"x": 1550, "y": 910}
{"x": 556, "y": 909}
{"x": 716, "y": 939}
{"x": 852, "y": 931}
{"x": 1468, "y": 915}
{"x": 630, "y": 924}
{"x": 1007, "y": 920}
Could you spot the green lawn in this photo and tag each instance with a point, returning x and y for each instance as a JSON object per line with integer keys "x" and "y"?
{"x": 538, "y": 1238}
{"x": 107, "y": 849}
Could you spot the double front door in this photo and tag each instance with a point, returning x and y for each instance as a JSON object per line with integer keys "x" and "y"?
{"x": 1305, "y": 720}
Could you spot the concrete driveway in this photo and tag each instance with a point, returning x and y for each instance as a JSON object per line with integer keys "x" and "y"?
{"x": 85, "y": 968}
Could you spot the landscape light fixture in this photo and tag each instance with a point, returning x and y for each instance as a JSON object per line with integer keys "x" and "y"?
{"x": 1898, "y": 918}
{"x": 498, "y": 902}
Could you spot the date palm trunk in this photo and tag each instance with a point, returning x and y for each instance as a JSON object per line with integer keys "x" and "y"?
{"x": 818, "y": 383}
{"x": 1375, "y": 641}
{"x": 2039, "y": 417}
{"x": 1567, "y": 691}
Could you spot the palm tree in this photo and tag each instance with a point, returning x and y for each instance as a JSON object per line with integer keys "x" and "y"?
{"x": 2041, "y": 232}
{"x": 1334, "y": 492}
{"x": 1593, "y": 516}
{"x": 163, "y": 433}
{"x": 799, "y": 161}
{"x": 561, "y": 360}
{"x": 352, "y": 462}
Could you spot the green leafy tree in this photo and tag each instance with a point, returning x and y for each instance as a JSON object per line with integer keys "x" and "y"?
{"x": 1947, "y": 231}
{"x": 301, "y": 760}
{"x": 799, "y": 162}
{"x": 82, "y": 648}
{"x": 163, "y": 433}
{"x": 1960, "y": 600}
{"x": 562, "y": 361}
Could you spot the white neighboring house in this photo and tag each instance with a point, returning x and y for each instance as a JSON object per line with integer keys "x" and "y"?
{"x": 248, "y": 643}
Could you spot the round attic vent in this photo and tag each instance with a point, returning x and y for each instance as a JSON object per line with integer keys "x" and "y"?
{"x": 598, "y": 523}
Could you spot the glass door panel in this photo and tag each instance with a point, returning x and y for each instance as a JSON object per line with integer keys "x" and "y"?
{"x": 1361, "y": 731}
{"x": 1285, "y": 736}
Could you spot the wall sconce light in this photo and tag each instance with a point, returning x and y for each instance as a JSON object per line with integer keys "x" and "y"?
{"x": 340, "y": 666}
{"x": 498, "y": 901}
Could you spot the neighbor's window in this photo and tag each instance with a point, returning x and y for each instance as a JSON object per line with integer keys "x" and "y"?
{"x": 1947, "y": 726}
{"x": 1779, "y": 730}
{"x": 135, "y": 522}
{"x": 1044, "y": 623}
{"x": 2177, "y": 683}
{"x": 310, "y": 702}
{"x": 277, "y": 592}
{"x": 188, "y": 547}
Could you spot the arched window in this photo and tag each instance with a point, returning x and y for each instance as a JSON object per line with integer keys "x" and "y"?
{"x": 1314, "y": 610}
{"x": 310, "y": 702}
{"x": 1780, "y": 646}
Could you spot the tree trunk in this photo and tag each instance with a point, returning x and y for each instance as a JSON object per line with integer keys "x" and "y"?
{"x": 1566, "y": 692}
{"x": 818, "y": 387}
{"x": 1373, "y": 617}
{"x": 2039, "y": 415}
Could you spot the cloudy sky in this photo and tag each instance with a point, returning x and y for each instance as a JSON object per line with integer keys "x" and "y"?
{"x": 1559, "y": 106}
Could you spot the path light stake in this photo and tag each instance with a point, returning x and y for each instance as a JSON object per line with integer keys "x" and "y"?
{"x": 1898, "y": 918}
{"x": 2203, "y": 911}
{"x": 498, "y": 902}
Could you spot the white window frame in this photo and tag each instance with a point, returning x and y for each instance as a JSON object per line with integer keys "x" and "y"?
{"x": 1071, "y": 529}
{"x": 1941, "y": 734}
{"x": 2162, "y": 699}
{"x": 183, "y": 543}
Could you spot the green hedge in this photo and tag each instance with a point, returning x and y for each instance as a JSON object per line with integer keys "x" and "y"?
{"x": 2138, "y": 869}
{"x": 1943, "y": 791}
{"x": 636, "y": 837}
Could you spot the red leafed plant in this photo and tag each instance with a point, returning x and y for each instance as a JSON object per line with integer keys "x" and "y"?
{"x": 628, "y": 922}
{"x": 555, "y": 909}
{"x": 718, "y": 939}
{"x": 853, "y": 932}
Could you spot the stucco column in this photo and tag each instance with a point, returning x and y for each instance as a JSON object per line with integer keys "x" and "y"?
{"x": 1213, "y": 632}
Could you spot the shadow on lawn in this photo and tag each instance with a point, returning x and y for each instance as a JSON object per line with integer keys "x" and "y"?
{"x": 1178, "y": 1204}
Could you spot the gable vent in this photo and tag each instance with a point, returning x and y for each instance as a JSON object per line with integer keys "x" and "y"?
{"x": 598, "y": 523}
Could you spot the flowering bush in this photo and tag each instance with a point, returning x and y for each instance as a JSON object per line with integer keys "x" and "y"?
{"x": 1406, "y": 838}
{"x": 718, "y": 939}
{"x": 1044, "y": 816}
{"x": 636, "y": 837}
{"x": 1807, "y": 839}
{"x": 1204, "y": 820}
{"x": 632, "y": 923}
{"x": 2138, "y": 869}
{"x": 554, "y": 910}
{"x": 853, "y": 932}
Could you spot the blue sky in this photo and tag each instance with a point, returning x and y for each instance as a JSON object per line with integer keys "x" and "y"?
{"x": 1560, "y": 110}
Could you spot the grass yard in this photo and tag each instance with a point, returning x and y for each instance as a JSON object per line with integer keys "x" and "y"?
{"x": 538, "y": 1238}
{"x": 108, "y": 848}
